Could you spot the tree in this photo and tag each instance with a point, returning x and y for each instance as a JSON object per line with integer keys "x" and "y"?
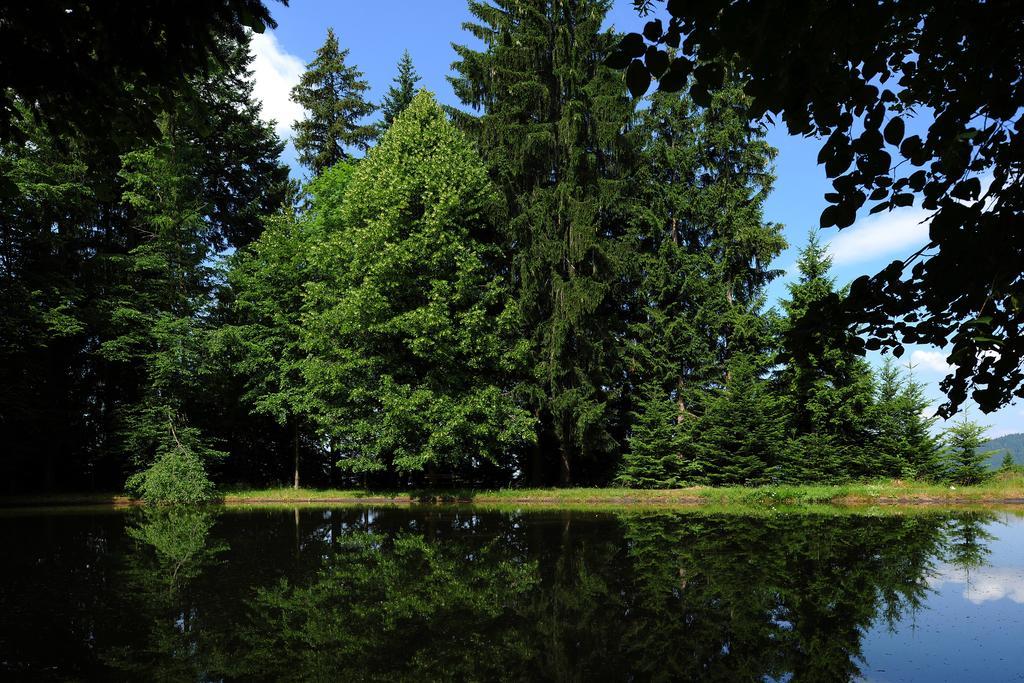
{"x": 903, "y": 445}
{"x": 553, "y": 129}
{"x": 653, "y": 457}
{"x": 331, "y": 92}
{"x": 965, "y": 464}
{"x": 411, "y": 338}
{"x": 875, "y": 64}
{"x": 1007, "y": 464}
{"x": 114, "y": 256}
{"x": 740, "y": 437}
{"x": 828, "y": 389}
{"x": 104, "y": 72}
{"x": 705, "y": 248}
{"x": 401, "y": 93}
{"x": 269, "y": 281}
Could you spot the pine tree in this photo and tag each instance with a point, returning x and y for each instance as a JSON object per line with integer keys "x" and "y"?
{"x": 552, "y": 131}
{"x": 410, "y": 333}
{"x": 332, "y": 93}
{"x": 401, "y": 93}
{"x": 1007, "y": 464}
{"x": 903, "y": 445}
{"x": 741, "y": 436}
{"x": 705, "y": 249}
{"x": 653, "y": 458}
{"x": 829, "y": 389}
{"x": 965, "y": 463}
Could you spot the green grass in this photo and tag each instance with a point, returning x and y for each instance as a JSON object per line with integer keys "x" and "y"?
{"x": 1004, "y": 489}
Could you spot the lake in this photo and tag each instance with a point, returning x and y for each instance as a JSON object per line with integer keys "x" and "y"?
{"x": 459, "y": 593}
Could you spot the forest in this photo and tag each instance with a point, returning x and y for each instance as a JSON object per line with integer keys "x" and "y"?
{"x": 557, "y": 283}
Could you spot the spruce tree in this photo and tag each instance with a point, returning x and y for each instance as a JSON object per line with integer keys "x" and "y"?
{"x": 741, "y": 435}
{"x": 704, "y": 248}
{"x": 654, "y": 455}
{"x": 410, "y": 333}
{"x": 553, "y": 129}
{"x": 903, "y": 445}
{"x": 332, "y": 93}
{"x": 401, "y": 93}
{"x": 829, "y": 390}
{"x": 965, "y": 462}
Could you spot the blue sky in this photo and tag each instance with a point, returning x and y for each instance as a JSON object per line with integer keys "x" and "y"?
{"x": 376, "y": 34}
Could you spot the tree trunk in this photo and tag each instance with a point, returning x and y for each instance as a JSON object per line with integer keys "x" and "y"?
{"x": 565, "y": 461}
{"x": 295, "y": 439}
{"x": 680, "y": 403}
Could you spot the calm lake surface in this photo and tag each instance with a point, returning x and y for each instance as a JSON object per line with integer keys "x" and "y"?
{"x": 432, "y": 593}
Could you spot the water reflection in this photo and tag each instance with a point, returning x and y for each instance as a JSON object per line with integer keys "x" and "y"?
{"x": 438, "y": 594}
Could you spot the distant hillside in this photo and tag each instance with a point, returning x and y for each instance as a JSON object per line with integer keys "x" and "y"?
{"x": 1014, "y": 443}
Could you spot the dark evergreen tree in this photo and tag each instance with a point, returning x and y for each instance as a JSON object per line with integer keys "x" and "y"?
{"x": 903, "y": 443}
{"x": 332, "y": 93}
{"x": 653, "y": 458}
{"x": 126, "y": 245}
{"x": 741, "y": 436}
{"x": 553, "y": 131}
{"x": 401, "y": 93}
{"x": 704, "y": 246}
{"x": 829, "y": 390}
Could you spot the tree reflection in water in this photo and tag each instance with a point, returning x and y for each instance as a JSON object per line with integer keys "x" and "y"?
{"x": 458, "y": 593}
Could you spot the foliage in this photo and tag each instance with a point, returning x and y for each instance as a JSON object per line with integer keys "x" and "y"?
{"x": 332, "y": 93}
{"x": 965, "y": 462}
{"x": 654, "y": 452}
{"x": 740, "y": 437}
{"x": 829, "y": 390}
{"x": 104, "y": 72}
{"x": 904, "y": 440}
{"x": 551, "y": 129}
{"x": 410, "y": 334}
{"x": 872, "y": 66}
{"x": 176, "y": 477}
{"x": 400, "y": 95}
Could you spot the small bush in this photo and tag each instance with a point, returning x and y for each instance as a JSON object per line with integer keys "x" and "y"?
{"x": 177, "y": 477}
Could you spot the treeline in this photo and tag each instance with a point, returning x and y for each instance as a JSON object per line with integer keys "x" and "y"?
{"x": 555, "y": 284}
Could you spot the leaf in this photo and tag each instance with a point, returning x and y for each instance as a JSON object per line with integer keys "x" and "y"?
{"x": 903, "y": 199}
{"x": 828, "y": 217}
{"x": 653, "y": 30}
{"x": 657, "y": 61}
{"x": 674, "y": 79}
{"x": 638, "y": 78}
{"x": 899, "y": 351}
{"x": 894, "y": 130}
{"x": 967, "y": 190}
{"x": 633, "y": 45}
{"x": 617, "y": 60}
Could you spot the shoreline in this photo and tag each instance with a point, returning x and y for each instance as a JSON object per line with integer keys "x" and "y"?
{"x": 1004, "y": 491}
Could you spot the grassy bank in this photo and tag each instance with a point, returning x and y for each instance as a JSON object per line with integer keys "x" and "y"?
{"x": 1002, "y": 489}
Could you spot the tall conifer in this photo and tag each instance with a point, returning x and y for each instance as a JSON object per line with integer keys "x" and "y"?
{"x": 333, "y": 95}
{"x": 552, "y": 130}
{"x": 401, "y": 93}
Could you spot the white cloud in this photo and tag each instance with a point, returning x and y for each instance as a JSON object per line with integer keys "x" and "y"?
{"x": 985, "y": 584}
{"x": 275, "y": 72}
{"x": 930, "y": 360}
{"x": 896, "y": 234}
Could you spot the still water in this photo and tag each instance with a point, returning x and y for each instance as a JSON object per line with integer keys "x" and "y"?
{"x": 451, "y": 593}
